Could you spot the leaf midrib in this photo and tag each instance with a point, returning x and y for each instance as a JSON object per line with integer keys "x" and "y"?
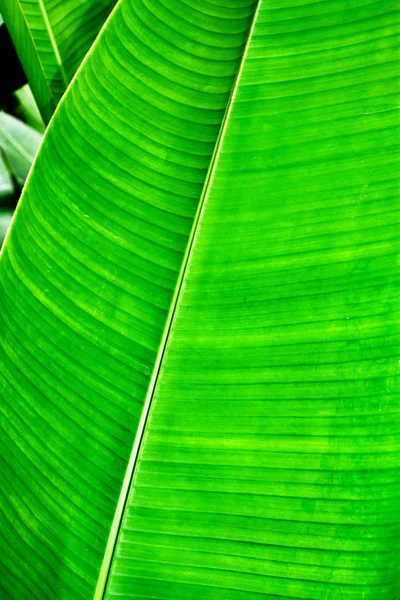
{"x": 39, "y": 61}
{"x": 53, "y": 42}
{"x": 130, "y": 470}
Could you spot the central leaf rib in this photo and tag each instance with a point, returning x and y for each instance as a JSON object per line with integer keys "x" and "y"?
{"x": 115, "y": 529}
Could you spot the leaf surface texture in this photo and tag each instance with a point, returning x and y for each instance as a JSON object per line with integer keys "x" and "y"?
{"x": 88, "y": 274}
{"x": 269, "y": 467}
{"x": 269, "y": 463}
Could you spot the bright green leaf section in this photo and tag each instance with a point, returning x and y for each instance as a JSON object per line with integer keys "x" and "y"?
{"x": 19, "y": 144}
{"x": 269, "y": 467}
{"x": 51, "y": 38}
{"x": 88, "y": 273}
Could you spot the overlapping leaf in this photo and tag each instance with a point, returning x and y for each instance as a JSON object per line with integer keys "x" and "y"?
{"x": 19, "y": 144}
{"x": 88, "y": 274}
{"x": 51, "y": 39}
{"x": 269, "y": 463}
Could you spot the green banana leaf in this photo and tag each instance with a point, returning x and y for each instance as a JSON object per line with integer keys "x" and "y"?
{"x": 19, "y": 144}
{"x": 199, "y": 296}
{"x": 6, "y": 183}
{"x": 6, "y": 194}
{"x": 52, "y": 38}
{"x": 27, "y": 108}
{"x": 5, "y": 220}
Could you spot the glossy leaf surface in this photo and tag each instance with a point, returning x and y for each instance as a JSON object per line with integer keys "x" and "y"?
{"x": 269, "y": 463}
{"x": 52, "y": 38}
{"x": 88, "y": 274}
